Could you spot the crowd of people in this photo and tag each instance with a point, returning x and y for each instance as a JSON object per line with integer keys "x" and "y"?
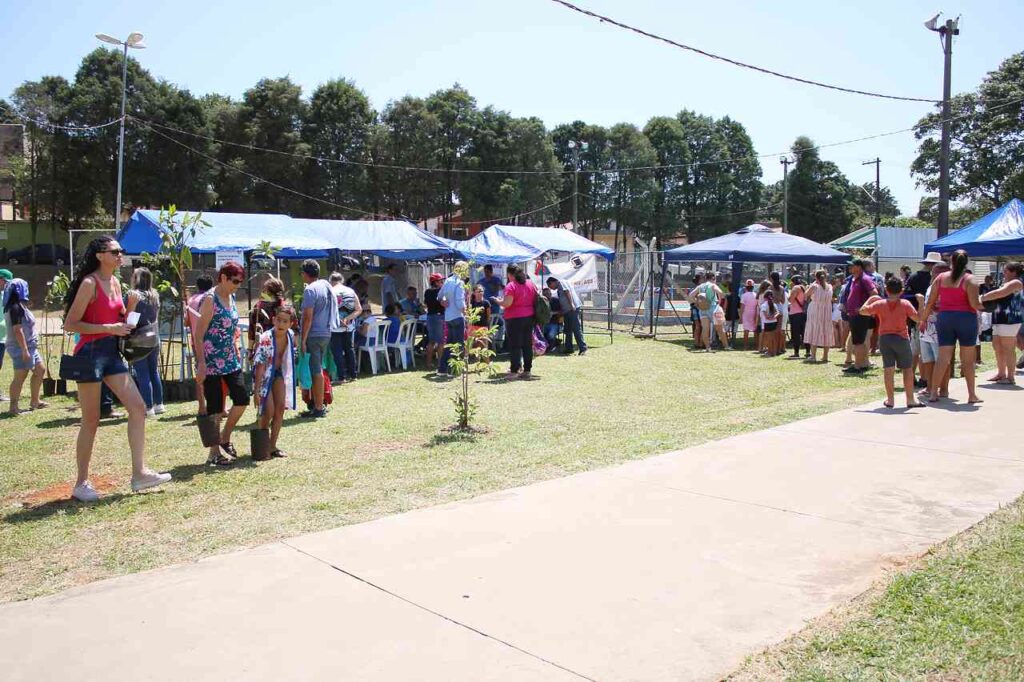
{"x": 913, "y": 320}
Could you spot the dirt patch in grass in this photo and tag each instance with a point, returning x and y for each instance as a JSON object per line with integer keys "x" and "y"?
{"x": 62, "y": 491}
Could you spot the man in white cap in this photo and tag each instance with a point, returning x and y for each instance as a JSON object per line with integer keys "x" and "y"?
{"x": 918, "y": 283}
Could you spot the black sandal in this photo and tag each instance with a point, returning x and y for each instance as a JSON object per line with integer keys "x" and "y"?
{"x": 278, "y": 453}
{"x": 220, "y": 460}
{"x": 229, "y": 450}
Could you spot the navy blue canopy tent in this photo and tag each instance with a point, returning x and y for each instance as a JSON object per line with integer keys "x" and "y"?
{"x": 1000, "y": 233}
{"x": 502, "y": 244}
{"x": 225, "y": 231}
{"x": 757, "y": 244}
{"x": 394, "y": 239}
{"x": 752, "y": 244}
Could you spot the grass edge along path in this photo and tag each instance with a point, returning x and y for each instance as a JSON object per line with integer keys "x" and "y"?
{"x": 382, "y": 450}
{"x": 956, "y": 613}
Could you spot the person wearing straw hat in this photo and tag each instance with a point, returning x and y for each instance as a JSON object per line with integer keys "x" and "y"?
{"x": 917, "y": 285}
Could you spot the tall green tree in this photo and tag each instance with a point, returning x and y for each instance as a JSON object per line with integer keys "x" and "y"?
{"x": 406, "y": 137}
{"x": 630, "y": 194}
{"x": 819, "y": 208}
{"x": 593, "y": 152}
{"x": 517, "y": 144}
{"x": 864, "y": 198}
{"x": 987, "y": 139}
{"x": 271, "y": 117}
{"x": 337, "y": 127}
{"x": 458, "y": 120}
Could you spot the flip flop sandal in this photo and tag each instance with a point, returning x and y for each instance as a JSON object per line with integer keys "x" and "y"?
{"x": 229, "y": 450}
{"x": 221, "y": 460}
{"x": 889, "y": 405}
{"x": 913, "y": 405}
{"x": 278, "y": 453}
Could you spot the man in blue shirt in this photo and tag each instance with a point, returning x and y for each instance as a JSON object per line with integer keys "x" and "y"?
{"x": 454, "y": 297}
{"x": 319, "y": 317}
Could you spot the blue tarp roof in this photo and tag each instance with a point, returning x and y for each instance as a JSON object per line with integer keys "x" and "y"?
{"x": 294, "y": 237}
{"x": 757, "y": 244}
{"x": 1000, "y": 233}
{"x": 516, "y": 243}
{"x": 396, "y": 239}
{"x": 228, "y": 231}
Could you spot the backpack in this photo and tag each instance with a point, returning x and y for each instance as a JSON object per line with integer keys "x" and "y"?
{"x": 541, "y": 310}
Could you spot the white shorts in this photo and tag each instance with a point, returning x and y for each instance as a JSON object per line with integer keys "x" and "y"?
{"x": 1005, "y": 329}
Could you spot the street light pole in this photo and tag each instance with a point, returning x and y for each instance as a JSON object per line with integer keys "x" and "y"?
{"x": 946, "y": 33}
{"x": 133, "y": 41}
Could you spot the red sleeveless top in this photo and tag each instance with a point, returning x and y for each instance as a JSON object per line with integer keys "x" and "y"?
{"x": 954, "y": 299}
{"x": 102, "y": 309}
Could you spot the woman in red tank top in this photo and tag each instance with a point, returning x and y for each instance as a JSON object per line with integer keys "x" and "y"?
{"x": 956, "y": 295}
{"x": 95, "y": 310}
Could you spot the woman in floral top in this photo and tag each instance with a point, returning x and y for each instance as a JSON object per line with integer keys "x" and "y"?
{"x": 220, "y": 363}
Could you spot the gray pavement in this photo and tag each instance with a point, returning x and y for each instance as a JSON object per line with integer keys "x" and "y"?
{"x": 669, "y": 568}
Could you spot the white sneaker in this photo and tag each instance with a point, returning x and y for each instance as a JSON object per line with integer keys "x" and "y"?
{"x": 151, "y": 412}
{"x": 160, "y": 409}
{"x": 84, "y": 492}
{"x": 149, "y": 481}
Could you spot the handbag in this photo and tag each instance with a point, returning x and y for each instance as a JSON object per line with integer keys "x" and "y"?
{"x": 77, "y": 368}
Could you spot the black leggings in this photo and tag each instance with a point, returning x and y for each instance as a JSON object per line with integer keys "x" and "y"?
{"x": 797, "y": 324}
{"x": 519, "y": 343}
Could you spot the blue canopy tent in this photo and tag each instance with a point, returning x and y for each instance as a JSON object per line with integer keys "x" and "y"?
{"x": 502, "y": 244}
{"x": 1000, "y": 233}
{"x": 757, "y": 244}
{"x": 395, "y": 239}
{"x": 225, "y": 231}
{"x": 752, "y": 244}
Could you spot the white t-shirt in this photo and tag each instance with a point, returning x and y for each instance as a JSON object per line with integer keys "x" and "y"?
{"x": 766, "y": 317}
{"x": 930, "y": 334}
{"x": 346, "y": 298}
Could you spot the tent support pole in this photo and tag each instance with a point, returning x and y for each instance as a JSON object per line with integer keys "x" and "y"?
{"x": 661, "y": 293}
{"x": 608, "y": 280}
{"x": 737, "y": 277}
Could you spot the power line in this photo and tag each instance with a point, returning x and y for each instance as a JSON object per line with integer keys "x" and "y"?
{"x": 56, "y": 126}
{"x": 596, "y": 171}
{"x": 349, "y": 162}
{"x": 760, "y": 69}
{"x": 259, "y": 179}
{"x": 511, "y": 217}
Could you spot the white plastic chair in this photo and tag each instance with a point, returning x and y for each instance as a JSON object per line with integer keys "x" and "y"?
{"x": 404, "y": 343}
{"x": 376, "y": 344}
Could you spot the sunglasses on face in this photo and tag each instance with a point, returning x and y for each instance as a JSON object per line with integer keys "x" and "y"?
{"x": 114, "y": 252}
{"x": 236, "y": 281}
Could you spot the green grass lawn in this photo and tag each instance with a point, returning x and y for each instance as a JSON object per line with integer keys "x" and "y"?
{"x": 957, "y": 615}
{"x": 382, "y": 450}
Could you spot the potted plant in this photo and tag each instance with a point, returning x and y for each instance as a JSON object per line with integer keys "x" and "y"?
{"x": 175, "y": 260}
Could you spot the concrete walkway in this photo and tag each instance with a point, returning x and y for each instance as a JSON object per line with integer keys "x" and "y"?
{"x": 669, "y": 568}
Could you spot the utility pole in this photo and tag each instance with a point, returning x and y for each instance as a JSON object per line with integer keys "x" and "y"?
{"x": 785, "y": 193}
{"x": 878, "y": 188}
{"x": 575, "y": 147}
{"x": 946, "y": 33}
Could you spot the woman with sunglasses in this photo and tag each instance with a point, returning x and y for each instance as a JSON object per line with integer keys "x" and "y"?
{"x": 95, "y": 310}
{"x": 220, "y": 362}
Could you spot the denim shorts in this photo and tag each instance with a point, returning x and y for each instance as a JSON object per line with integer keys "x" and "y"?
{"x": 435, "y": 328}
{"x": 20, "y": 361}
{"x": 929, "y": 351}
{"x": 316, "y": 347}
{"x": 955, "y": 326}
{"x": 107, "y": 360}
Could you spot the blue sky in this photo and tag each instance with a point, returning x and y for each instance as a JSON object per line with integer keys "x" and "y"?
{"x": 534, "y": 58}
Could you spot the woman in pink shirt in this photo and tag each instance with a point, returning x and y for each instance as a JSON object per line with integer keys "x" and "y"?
{"x": 520, "y": 296}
